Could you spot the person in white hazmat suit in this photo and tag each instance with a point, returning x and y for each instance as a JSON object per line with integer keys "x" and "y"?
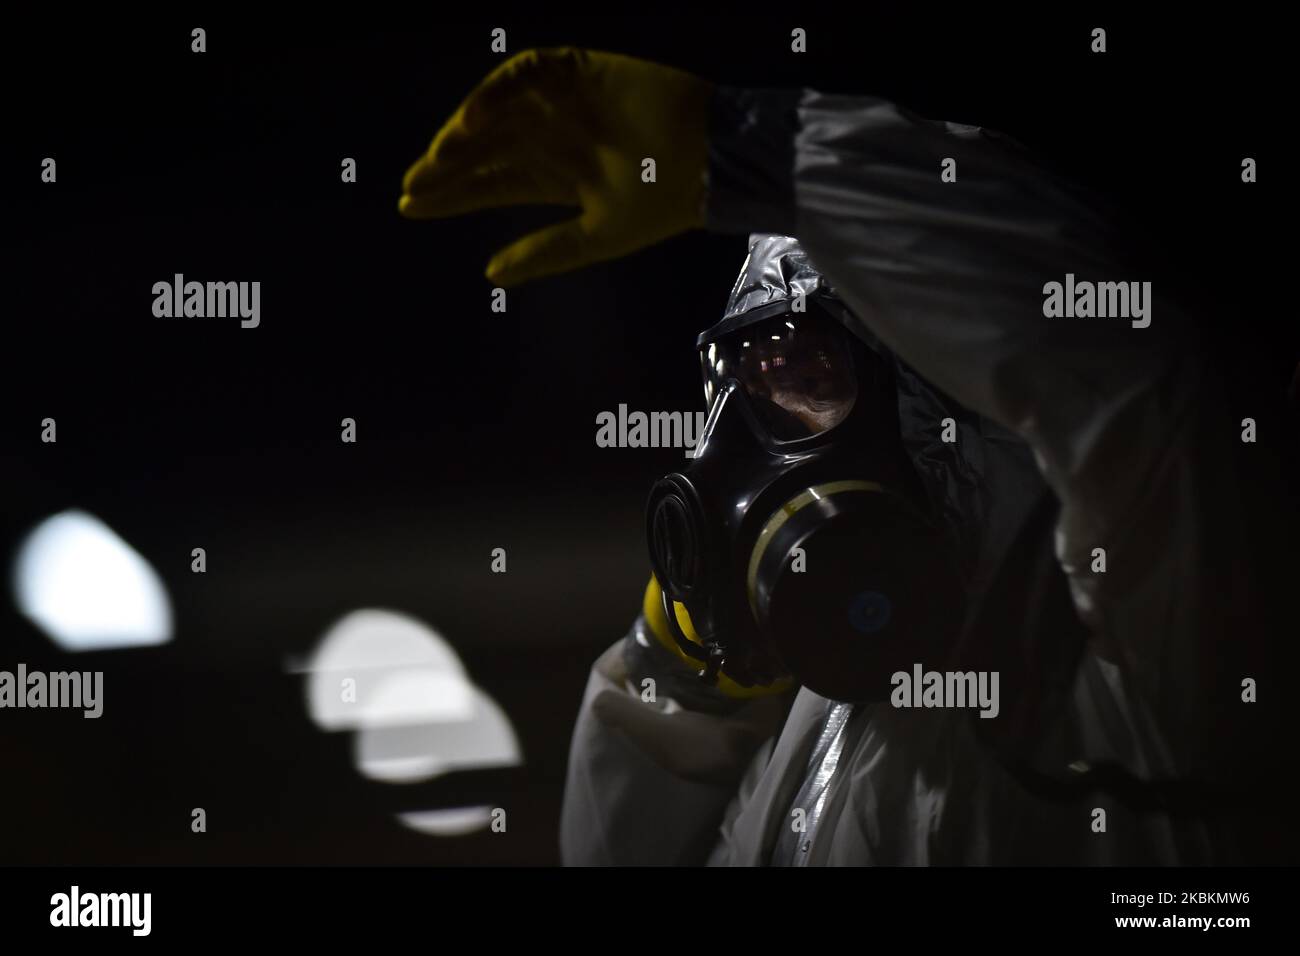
{"x": 972, "y": 565}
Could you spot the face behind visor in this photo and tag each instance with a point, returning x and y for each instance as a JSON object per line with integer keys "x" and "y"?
{"x": 797, "y": 371}
{"x": 797, "y": 542}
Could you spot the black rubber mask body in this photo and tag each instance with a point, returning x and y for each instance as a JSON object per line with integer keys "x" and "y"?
{"x": 812, "y": 557}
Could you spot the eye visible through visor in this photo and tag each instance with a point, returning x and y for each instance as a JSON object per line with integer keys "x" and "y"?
{"x": 796, "y": 368}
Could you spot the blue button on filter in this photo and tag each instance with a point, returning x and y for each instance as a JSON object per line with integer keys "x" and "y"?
{"x": 869, "y": 612}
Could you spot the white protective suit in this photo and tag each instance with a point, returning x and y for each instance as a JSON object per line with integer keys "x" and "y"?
{"x": 1135, "y": 450}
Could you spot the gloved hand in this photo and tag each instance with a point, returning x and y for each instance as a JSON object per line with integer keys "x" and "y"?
{"x": 653, "y": 609}
{"x": 571, "y": 127}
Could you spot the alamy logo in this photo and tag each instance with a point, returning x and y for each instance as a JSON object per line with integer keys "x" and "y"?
{"x": 1125, "y": 300}
{"x": 208, "y": 300}
{"x": 103, "y": 909}
{"x": 955, "y": 689}
{"x": 36, "y": 689}
{"x": 626, "y": 429}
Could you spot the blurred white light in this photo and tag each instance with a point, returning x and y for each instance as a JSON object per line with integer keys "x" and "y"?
{"x": 422, "y": 677}
{"x": 423, "y": 751}
{"x": 397, "y": 683}
{"x": 78, "y": 581}
{"x": 456, "y": 822}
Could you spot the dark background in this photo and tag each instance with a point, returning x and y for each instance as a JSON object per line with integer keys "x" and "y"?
{"x": 476, "y": 429}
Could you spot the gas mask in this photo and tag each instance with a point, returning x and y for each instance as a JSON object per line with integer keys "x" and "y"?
{"x": 798, "y": 541}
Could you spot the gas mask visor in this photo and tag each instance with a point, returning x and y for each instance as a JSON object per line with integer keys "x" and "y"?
{"x": 796, "y": 368}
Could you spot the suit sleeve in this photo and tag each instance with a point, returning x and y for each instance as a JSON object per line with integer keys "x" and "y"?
{"x": 649, "y": 780}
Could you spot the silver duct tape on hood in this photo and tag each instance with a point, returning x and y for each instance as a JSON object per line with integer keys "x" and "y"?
{"x": 775, "y": 271}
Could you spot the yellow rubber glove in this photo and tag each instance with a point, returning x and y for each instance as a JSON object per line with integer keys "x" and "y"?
{"x": 653, "y": 608}
{"x": 571, "y": 127}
